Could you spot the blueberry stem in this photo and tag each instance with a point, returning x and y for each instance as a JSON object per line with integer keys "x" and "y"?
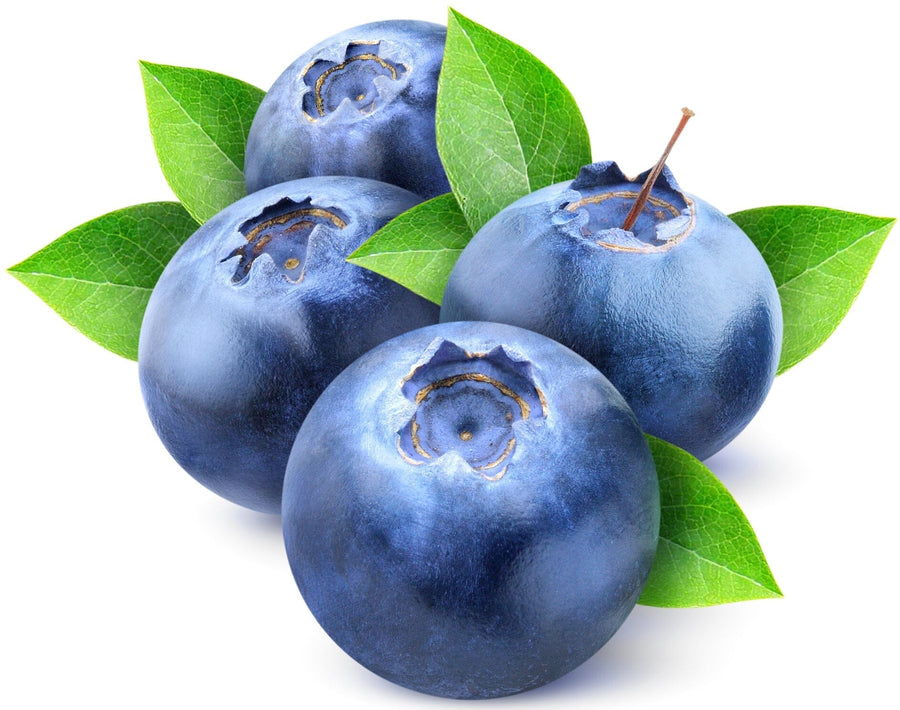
{"x": 641, "y": 199}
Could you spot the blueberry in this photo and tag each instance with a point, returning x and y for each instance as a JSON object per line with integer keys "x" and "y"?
{"x": 681, "y": 312}
{"x": 360, "y": 103}
{"x": 470, "y": 510}
{"x": 255, "y": 315}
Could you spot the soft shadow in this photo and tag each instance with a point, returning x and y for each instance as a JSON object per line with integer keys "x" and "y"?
{"x": 748, "y": 469}
{"x": 253, "y": 522}
{"x": 626, "y": 661}
{"x": 734, "y": 462}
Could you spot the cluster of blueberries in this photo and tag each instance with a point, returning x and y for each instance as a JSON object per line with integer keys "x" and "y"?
{"x": 470, "y": 508}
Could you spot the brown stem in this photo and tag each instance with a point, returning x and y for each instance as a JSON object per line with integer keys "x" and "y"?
{"x": 641, "y": 200}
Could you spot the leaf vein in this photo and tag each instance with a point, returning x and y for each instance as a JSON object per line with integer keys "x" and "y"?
{"x": 718, "y": 565}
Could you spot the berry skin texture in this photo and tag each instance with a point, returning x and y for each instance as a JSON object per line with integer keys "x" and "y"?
{"x": 254, "y": 316}
{"x": 681, "y": 313}
{"x": 470, "y": 510}
{"x": 360, "y": 103}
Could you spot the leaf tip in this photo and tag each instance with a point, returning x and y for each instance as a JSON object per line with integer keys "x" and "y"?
{"x": 357, "y": 253}
{"x": 20, "y": 268}
{"x": 454, "y": 17}
{"x": 769, "y": 591}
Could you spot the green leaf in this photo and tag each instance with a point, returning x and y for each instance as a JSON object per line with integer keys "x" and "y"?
{"x": 819, "y": 258}
{"x": 99, "y": 275}
{"x": 419, "y": 247}
{"x": 199, "y": 121}
{"x": 506, "y": 125}
{"x": 708, "y": 553}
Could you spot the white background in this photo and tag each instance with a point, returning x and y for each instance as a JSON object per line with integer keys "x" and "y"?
{"x": 126, "y": 584}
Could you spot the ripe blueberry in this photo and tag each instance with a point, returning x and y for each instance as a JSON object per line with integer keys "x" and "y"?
{"x": 360, "y": 103}
{"x": 680, "y": 312}
{"x": 470, "y": 510}
{"x": 255, "y": 315}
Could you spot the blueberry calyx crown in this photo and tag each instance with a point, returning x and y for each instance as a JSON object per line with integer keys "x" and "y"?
{"x": 601, "y": 198}
{"x": 331, "y": 83}
{"x": 468, "y": 403}
{"x": 282, "y": 231}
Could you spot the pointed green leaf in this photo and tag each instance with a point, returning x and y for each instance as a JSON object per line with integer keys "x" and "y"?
{"x": 419, "y": 247}
{"x": 708, "y": 553}
{"x": 819, "y": 258}
{"x": 506, "y": 125}
{"x": 99, "y": 276}
{"x": 199, "y": 121}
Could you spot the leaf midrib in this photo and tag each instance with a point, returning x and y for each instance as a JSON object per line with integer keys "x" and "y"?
{"x": 822, "y": 263}
{"x": 114, "y": 284}
{"x": 719, "y": 565}
{"x": 503, "y": 103}
{"x": 193, "y": 120}
{"x": 404, "y": 251}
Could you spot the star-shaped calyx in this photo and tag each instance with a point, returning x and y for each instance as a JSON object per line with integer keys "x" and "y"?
{"x": 330, "y": 83}
{"x": 469, "y": 403}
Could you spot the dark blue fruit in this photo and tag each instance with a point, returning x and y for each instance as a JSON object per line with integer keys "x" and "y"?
{"x": 470, "y": 510}
{"x": 359, "y": 103}
{"x": 255, "y": 315}
{"x": 680, "y": 312}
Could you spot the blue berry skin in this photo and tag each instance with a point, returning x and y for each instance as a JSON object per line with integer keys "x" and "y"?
{"x": 470, "y": 510}
{"x": 681, "y": 313}
{"x": 254, "y": 316}
{"x": 360, "y": 103}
